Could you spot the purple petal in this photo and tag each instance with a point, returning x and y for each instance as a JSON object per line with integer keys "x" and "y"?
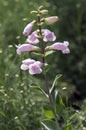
{"x": 66, "y": 43}
{"x": 66, "y": 51}
{"x": 28, "y": 61}
{"x": 38, "y": 63}
{"x": 25, "y": 47}
{"x": 49, "y": 36}
{"x": 28, "y": 29}
{"x": 61, "y": 46}
{"x": 24, "y": 67}
{"x": 35, "y": 68}
{"x": 32, "y": 39}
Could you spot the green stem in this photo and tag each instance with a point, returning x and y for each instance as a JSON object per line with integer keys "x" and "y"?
{"x": 51, "y": 102}
{"x": 44, "y": 73}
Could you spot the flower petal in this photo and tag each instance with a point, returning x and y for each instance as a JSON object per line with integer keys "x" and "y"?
{"x": 35, "y": 68}
{"x": 28, "y": 61}
{"x": 49, "y": 36}
{"x": 32, "y": 39}
{"x": 24, "y": 67}
{"x": 66, "y": 51}
{"x": 28, "y": 28}
{"x": 60, "y": 46}
{"x": 25, "y": 47}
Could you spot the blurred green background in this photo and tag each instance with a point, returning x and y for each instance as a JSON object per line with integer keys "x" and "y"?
{"x": 18, "y": 108}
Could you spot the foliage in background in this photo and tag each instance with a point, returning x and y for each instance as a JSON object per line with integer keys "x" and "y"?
{"x": 79, "y": 122}
{"x": 72, "y": 26}
{"x": 18, "y": 108}
{"x": 13, "y": 17}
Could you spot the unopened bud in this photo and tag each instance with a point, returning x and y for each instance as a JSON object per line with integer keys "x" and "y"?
{"x": 40, "y": 7}
{"x": 33, "y": 12}
{"x": 28, "y": 28}
{"x": 44, "y": 11}
{"x": 51, "y": 20}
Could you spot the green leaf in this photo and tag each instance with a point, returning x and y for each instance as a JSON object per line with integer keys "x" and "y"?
{"x": 59, "y": 104}
{"x": 48, "y": 113}
{"x": 68, "y": 127}
{"x": 37, "y": 53}
{"x": 72, "y": 117}
{"x": 3, "y": 114}
{"x": 49, "y": 53}
{"x": 53, "y": 85}
{"x": 49, "y": 124}
{"x": 34, "y": 86}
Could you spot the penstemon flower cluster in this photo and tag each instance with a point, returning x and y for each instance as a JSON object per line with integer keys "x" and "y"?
{"x": 36, "y": 41}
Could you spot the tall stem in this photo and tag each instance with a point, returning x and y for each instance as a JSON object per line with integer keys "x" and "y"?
{"x": 44, "y": 73}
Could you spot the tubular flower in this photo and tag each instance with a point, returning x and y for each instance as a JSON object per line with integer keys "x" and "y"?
{"x": 48, "y": 35}
{"x": 32, "y": 39}
{"x": 26, "y": 47}
{"x": 33, "y": 66}
{"x": 28, "y": 28}
{"x": 61, "y": 46}
{"x": 51, "y": 20}
{"x": 26, "y": 63}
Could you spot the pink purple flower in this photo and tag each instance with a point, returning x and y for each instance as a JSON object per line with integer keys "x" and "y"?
{"x": 32, "y": 39}
{"x": 61, "y": 46}
{"x": 25, "y": 47}
{"x": 28, "y": 28}
{"x": 48, "y": 35}
{"x": 33, "y": 66}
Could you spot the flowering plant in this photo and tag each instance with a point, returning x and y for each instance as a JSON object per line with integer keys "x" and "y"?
{"x": 37, "y": 41}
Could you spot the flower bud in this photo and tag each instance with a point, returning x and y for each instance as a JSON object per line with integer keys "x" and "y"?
{"x": 28, "y": 28}
{"x": 51, "y": 20}
{"x": 33, "y": 12}
{"x": 44, "y": 11}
